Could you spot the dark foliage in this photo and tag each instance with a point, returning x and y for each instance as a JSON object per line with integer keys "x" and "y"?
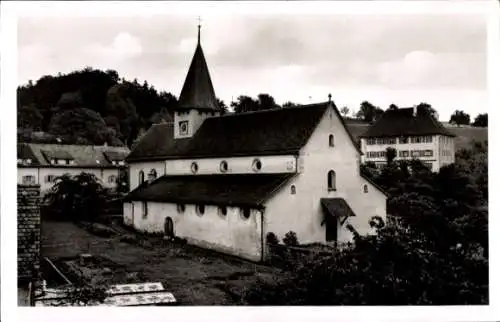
{"x": 481, "y": 120}
{"x": 272, "y": 239}
{"x": 78, "y": 198}
{"x": 460, "y": 118}
{"x": 437, "y": 254}
{"x": 290, "y": 239}
{"x": 116, "y": 108}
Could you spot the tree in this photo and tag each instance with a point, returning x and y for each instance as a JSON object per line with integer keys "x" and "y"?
{"x": 222, "y": 106}
{"x": 426, "y": 109}
{"x": 390, "y": 155}
{"x": 344, "y": 111}
{"x": 29, "y": 117}
{"x": 481, "y": 120}
{"x": 289, "y": 104}
{"x": 78, "y": 198}
{"x": 245, "y": 104}
{"x": 460, "y": 118}
{"x": 369, "y": 112}
{"x": 393, "y": 107}
{"x": 266, "y": 102}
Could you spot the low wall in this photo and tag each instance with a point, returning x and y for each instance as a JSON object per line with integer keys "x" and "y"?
{"x": 28, "y": 232}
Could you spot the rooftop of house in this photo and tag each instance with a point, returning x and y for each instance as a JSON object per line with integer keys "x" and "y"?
{"x": 271, "y": 132}
{"x": 250, "y": 190}
{"x": 82, "y": 155}
{"x": 403, "y": 122}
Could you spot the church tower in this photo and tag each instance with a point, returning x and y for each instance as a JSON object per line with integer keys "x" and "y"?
{"x": 197, "y": 100}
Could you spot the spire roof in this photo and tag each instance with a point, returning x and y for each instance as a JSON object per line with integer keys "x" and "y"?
{"x": 198, "y": 91}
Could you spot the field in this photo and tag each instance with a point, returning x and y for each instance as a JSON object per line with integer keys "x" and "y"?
{"x": 193, "y": 275}
{"x": 465, "y": 136}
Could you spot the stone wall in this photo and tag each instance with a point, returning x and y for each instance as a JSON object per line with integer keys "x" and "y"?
{"x": 28, "y": 231}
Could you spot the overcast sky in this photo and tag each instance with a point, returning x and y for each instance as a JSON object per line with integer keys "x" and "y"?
{"x": 401, "y": 59}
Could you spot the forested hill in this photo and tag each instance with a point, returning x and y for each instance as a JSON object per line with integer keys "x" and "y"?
{"x": 89, "y": 107}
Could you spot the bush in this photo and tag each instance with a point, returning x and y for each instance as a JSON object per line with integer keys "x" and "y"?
{"x": 129, "y": 239}
{"x": 272, "y": 239}
{"x": 291, "y": 239}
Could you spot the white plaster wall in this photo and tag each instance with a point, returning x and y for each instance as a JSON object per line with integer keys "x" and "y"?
{"x": 135, "y": 168}
{"x": 21, "y": 172}
{"x": 302, "y": 212}
{"x": 194, "y": 117}
{"x": 434, "y": 146}
{"x": 229, "y": 234}
{"x": 238, "y": 165}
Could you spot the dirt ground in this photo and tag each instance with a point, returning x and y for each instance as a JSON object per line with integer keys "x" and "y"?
{"x": 193, "y": 275}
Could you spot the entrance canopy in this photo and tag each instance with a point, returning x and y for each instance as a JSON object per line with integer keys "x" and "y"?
{"x": 336, "y": 208}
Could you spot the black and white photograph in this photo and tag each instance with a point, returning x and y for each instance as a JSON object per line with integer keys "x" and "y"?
{"x": 249, "y": 154}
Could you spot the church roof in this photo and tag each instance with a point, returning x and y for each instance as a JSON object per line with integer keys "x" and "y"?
{"x": 272, "y": 132}
{"x": 250, "y": 190}
{"x": 198, "y": 91}
{"x": 402, "y": 122}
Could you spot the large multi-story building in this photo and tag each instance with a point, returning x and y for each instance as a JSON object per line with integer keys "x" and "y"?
{"x": 413, "y": 134}
{"x": 41, "y": 164}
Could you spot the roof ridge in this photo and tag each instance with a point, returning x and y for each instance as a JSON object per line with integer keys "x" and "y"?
{"x": 271, "y": 110}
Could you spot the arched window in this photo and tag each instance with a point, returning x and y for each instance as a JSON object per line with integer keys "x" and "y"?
{"x": 200, "y": 210}
{"x": 331, "y": 180}
{"x": 223, "y": 211}
{"x": 223, "y": 166}
{"x": 330, "y": 140}
{"x": 141, "y": 177}
{"x": 152, "y": 174}
{"x": 365, "y": 188}
{"x": 293, "y": 190}
{"x": 181, "y": 208}
{"x": 169, "y": 227}
{"x": 245, "y": 213}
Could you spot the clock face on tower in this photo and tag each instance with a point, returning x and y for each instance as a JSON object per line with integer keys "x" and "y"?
{"x": 183, "y": 127}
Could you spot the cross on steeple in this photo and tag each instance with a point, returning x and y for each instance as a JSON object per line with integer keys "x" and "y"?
{"x": 199, "y": 28}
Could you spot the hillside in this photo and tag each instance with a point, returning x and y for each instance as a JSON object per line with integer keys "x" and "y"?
{"x": 465, "y": 136}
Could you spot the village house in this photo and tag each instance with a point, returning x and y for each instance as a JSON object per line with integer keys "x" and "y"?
{"x": 413, "y": 135}
{"x": 41, "y": 164}
{"x": 224, "y": 182}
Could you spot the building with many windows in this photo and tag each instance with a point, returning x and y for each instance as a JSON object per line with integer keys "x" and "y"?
{"x": 225, "y": 182}
{"x": 413, "y": 134}
{"x": 43, "y": 163}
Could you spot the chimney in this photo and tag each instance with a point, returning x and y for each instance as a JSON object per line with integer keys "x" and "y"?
{"x": 414, "y": 110}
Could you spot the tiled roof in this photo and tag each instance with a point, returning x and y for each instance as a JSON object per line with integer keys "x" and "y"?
{"x": 337, "y": 207}
{"x": 83, "y": 155}
{"x": 230, "y": 190}
{"x": 58, "y": 154}
{"x": 24, "y": 152}
{"x": 271, "y": 132}
{"x": 401, "y": 122}
{"x": 116, "y": 155}
{"x": 198, "y": 91}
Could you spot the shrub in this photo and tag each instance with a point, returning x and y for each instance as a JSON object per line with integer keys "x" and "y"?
{"x": 291, "y": 239}
{"x": 272, "y": 239}
{"x": 101, "y": 230}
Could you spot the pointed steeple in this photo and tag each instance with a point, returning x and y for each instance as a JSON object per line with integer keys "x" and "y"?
{"x": 198, "y": 91}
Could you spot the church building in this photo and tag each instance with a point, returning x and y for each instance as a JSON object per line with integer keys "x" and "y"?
{"x": 224, "y": 182}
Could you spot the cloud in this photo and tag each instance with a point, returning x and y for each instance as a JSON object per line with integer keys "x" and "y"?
{"x": 124, "y": 46}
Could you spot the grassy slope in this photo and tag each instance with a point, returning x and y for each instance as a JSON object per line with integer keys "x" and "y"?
{"x": 464, "y": 135}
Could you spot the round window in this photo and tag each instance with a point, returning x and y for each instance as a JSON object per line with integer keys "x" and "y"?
{"x": 194, "y": 167}
{"x": 223, "y": 166}
{"x": 201, "y": 209}
{"x": 223, "y": 210}
{"x": 181, "y": 208}
{"x": 245, "y": 213}
{"x": 365, "y": 188}
{"x": 257, "y": 165}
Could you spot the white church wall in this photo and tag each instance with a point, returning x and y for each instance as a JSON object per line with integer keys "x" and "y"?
{"x": 302, "y": 211}
{"x": 146, "y": 167}
{"x": 230, "y": 233}
{"x": 237, "y": 165}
